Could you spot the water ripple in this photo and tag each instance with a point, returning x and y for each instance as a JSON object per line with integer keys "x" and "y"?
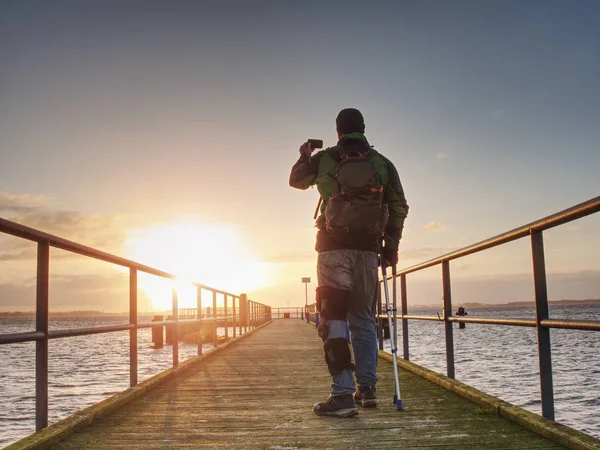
{"x": 503, "y": 361}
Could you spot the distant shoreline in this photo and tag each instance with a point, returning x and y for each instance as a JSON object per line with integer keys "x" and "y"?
{"x": 73, "y": 314}
{"x": 467, "y": 305}
{"x": 474, "y": 305}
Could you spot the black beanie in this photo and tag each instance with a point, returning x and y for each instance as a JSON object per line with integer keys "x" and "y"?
{"x": 350, "y": 120}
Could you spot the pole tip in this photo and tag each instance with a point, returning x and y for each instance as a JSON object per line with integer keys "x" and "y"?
{"x": 399, "y": 406}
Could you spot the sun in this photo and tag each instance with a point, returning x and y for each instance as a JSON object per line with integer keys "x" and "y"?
{"x": 216, "y": 255}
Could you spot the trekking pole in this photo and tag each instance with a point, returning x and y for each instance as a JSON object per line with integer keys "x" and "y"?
{"x": 397, "y": 397}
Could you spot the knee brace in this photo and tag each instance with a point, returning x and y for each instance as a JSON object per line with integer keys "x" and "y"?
{"x": 332, "y": 303}
{"x": 337, "y": 355}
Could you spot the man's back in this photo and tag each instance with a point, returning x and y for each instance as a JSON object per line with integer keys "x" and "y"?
{"x": 320, "y": 170}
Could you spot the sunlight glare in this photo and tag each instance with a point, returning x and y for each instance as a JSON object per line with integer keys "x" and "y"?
{"x": 215, "y": 255}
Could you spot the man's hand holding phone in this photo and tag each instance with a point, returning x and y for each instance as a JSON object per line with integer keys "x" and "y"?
{"x": 309, "y": 146}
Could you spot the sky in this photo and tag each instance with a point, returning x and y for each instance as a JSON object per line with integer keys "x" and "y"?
{"x": 165, "y": 131}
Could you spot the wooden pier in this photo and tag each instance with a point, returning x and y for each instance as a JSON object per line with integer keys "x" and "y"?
{"x": 256, "y": 388}
{"x": 259, "y": 391}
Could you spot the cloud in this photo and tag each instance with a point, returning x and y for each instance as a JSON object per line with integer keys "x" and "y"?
{"x": 34, "y": 211}
{"x": 434, "y": 226}
{"x": 442, "y": 155}
{"x": 21, "y": 203}
{"x": 16, "y": 249}
{"x": 108, "y": 292}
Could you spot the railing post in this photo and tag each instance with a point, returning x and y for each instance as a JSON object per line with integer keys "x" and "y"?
{"x": 404, "y": 300}
{"x": 41, "y": 347}
{"x": 226, "y": 317}
{"x": 215, "y": 319}
{"x": 175, "y": 332}
{"x": 133, "y": 333}
{"x": 199, "y": 316}
{"x": 243, "y": 312}
{"x": 249, "y": 305}
{"x": 447, "y": 315}
{"x": 234, "y": 317}
{"x": 543, "y": 333}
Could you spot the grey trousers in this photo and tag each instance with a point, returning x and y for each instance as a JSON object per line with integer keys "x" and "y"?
{"x": 356, "y": 272}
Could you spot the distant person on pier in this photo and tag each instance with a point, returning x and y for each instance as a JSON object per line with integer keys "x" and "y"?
{"x": 363, "y": 206}
{"x": 461, "y": 312}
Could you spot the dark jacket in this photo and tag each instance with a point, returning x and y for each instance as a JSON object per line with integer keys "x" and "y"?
{"x": 318, "y": 169}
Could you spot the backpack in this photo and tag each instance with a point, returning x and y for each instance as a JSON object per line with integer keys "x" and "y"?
{"x": 356, "y": 203}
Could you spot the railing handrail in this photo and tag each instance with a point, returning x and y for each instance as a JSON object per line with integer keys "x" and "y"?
{"x": 542, "y": 322}
{"x": 249, "y": 313}
{"x": 576, "y": 212}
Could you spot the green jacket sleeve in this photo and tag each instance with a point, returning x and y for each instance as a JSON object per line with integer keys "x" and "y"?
{"x": 305, "y": 171}
{"x": 394, "y": 197}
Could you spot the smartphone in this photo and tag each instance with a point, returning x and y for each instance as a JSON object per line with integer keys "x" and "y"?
{"x": 316, "y": 143}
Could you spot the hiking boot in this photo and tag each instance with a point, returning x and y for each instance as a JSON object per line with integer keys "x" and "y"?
{"x": 336, "y": 405}
{"x": 366, "y": 396}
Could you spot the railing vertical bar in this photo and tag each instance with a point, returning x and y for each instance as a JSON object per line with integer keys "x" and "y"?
{"x": 243, "y": 301}
{"x": 447, "y": 314}
{"x": 234, "y": 316}
{"x": 226, "y": 317}
{"x": 404, "y": 300}
{"x": 199, "y": 316}
{"x": 215, "y": 317}
{"x": 41, "y": 347}
{"x": 133, "y": 333}
{"x": 543, "y": 333}
{"x": 175, "y": 332}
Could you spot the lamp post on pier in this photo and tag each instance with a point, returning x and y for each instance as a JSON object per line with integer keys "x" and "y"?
{"x": 306, "y": 280}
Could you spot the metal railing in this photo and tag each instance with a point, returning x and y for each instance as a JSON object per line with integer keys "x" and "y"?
{"x": 242, "y": 314}
{"x": 290, "y": 312}
{"x": 542, "y": 322}
{"x": 312, "y": 315}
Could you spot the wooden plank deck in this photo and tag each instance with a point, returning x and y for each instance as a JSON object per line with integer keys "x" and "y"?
{"x": 259, "y": 392}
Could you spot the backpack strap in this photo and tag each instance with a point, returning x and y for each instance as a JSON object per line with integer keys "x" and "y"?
{"x": 338, "y": 153}
{"x": 345, "y": 154}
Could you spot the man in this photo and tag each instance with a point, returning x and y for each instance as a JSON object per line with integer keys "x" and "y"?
{"x": 362, "y": 200}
